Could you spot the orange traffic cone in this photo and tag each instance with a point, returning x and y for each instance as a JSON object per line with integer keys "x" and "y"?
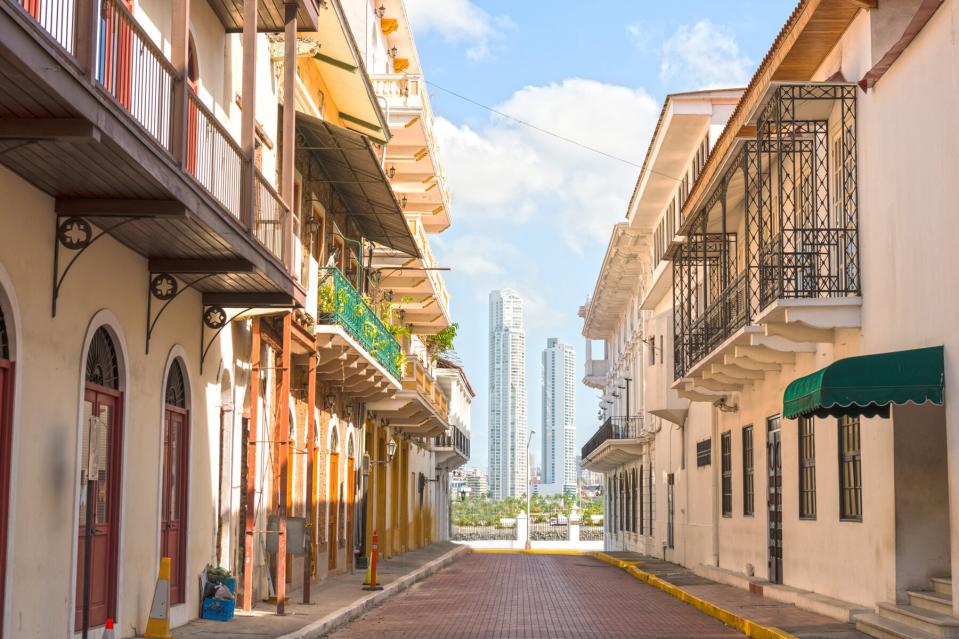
{"x": 108, "y": 630}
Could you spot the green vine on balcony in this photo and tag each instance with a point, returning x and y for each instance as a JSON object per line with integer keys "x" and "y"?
{"x": 441, "y": 342}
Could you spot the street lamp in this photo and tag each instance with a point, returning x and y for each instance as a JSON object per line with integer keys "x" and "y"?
{"x": 367, "y": 468}
{"x": 529, "y": 489}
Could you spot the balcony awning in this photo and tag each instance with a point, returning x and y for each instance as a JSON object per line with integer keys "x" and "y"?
{"x": 868, "y": 384}
{"x": 356, "y": 174}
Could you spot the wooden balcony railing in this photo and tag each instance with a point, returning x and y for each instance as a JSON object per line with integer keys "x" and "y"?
{"x": 127, "y": 66}
{"x": 271, "y": 219}
{"x": 57, "y": 17}
{"x": 133, "y": 70}
{"x": 213, "y": 157}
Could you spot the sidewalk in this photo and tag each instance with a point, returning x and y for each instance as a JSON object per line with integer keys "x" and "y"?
{"x": 337, "y": 601}
{"x": 752, "y": 608}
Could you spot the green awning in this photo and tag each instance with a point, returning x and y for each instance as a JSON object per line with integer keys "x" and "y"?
{"x": 868, "y": 384}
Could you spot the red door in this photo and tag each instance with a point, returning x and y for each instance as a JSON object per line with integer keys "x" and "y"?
{"x": 173, "y": 518}
{"x": 6, "y": 428}
{"x": 101, "y": 415}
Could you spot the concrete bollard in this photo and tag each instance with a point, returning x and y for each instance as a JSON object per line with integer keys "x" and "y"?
{"x": 522, "y": 529}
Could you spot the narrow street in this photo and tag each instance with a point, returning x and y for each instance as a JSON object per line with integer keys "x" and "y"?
{"x": 531, "y": 596}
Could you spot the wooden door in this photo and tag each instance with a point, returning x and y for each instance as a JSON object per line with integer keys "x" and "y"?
{"x": 775, "y": 501}
{"x": 334, "y": 520}
{"x": 350, "y": 505}
{"x": 101, "y": 412}
{"x": 6, "y": 433}
{"x": 173, "y": 517}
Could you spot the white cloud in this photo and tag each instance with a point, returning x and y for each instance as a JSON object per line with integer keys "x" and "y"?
{"x": 506, "y": 172}
{"x": 703, "y": 56}
{"x": 459, "y": 21}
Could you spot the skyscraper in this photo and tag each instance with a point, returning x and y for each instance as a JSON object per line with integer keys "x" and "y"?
{"x": 508, "y": 465}
{"x": 559, "y": 418}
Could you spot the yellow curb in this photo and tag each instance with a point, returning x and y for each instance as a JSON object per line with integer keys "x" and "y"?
{"x": 747, "y": 627}
{"x": 619, "y": 563}
{"x": 523, "y": 551}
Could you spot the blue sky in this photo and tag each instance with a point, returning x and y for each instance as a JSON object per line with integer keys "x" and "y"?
{"x": 531, "y": 212}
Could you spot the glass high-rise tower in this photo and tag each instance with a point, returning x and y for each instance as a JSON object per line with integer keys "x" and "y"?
{"x": 508, "y": 464}
{"x": 559, "y": 418}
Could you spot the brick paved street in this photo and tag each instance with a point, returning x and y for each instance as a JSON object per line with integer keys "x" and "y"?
{"x": 534, "y": 596}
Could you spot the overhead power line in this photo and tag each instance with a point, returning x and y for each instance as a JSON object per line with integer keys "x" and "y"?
{"x": 534, "y": 127}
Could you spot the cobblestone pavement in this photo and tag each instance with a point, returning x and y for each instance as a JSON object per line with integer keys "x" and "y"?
{"x": 531, "y": 597}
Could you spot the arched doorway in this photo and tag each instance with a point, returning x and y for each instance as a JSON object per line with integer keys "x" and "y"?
{"x": 333, "y": 497}
{"x": 175, "y": 464}
{"x": 101, "y": 446}
{"x": 6, "y": 437}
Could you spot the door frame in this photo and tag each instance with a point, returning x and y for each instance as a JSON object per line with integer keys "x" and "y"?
{"x": 115, "y": 500}
{"x": 108, "y": 320}
{"x": 775, "y": 570}
{"x": 184, "y": 497}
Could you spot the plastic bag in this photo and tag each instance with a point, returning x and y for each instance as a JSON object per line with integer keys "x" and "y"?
{"x": 222, "y": 592}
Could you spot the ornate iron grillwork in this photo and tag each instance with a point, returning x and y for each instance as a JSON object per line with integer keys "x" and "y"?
{"x": 176, "y": 386}
{"x": 102, "y": 366}
{"x": 4, "y": 338}
{"x": 614, "y": 428}
{"x": 800, "y": 222}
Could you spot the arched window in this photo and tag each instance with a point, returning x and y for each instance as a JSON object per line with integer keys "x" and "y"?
{"x": 334, "y": 439}
{"x": 173, "y": 519}
{"x": 176, "y": 386}
{"x": 4, "y": 339}
{"x": 101, "y": 444}
{"x": 102, "y": 367}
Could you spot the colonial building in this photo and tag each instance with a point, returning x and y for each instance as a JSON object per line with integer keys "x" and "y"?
{"x": 210, "y": 330}
{"x": 810, "y": 328}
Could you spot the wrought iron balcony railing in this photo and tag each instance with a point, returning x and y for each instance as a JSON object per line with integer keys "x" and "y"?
{"x": 614, "y": 428}
{"x": 456, "y": 440}
{"x": 797, "y": 220}
{"x": 340, "y": 303}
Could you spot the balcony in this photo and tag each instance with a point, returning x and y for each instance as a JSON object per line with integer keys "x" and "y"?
{"x": 270, "y": 16}
{"x": 618, "y": 441}
{"x": 769, "y": 266}
{"x": 452, "y": 449}
{"x": 596, "y": 373}
{"x": 124, "y": 144}
{"x": 416, "y": 287}
{"x": 413, "y": 150}
{"x": 420, "y": 409}
{"x": 358, "y": 351}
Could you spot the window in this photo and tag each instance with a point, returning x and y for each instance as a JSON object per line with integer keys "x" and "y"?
{"x": 670, "y": 510}
{"x": 642, "y": 501}
{"x": 807, "y": 468}
{"x": 652, "y": 351}
{"x": 748, "y": 485}
{"x": 703, "y": 452}
{"x": 633, "y": 500}
{"x": 650, "y": 496}
{"x": 726, "y": 449}
{"x": 850, "y": 470}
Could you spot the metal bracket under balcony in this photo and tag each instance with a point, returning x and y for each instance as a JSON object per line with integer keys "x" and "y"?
{"x": 620, "y": 440}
